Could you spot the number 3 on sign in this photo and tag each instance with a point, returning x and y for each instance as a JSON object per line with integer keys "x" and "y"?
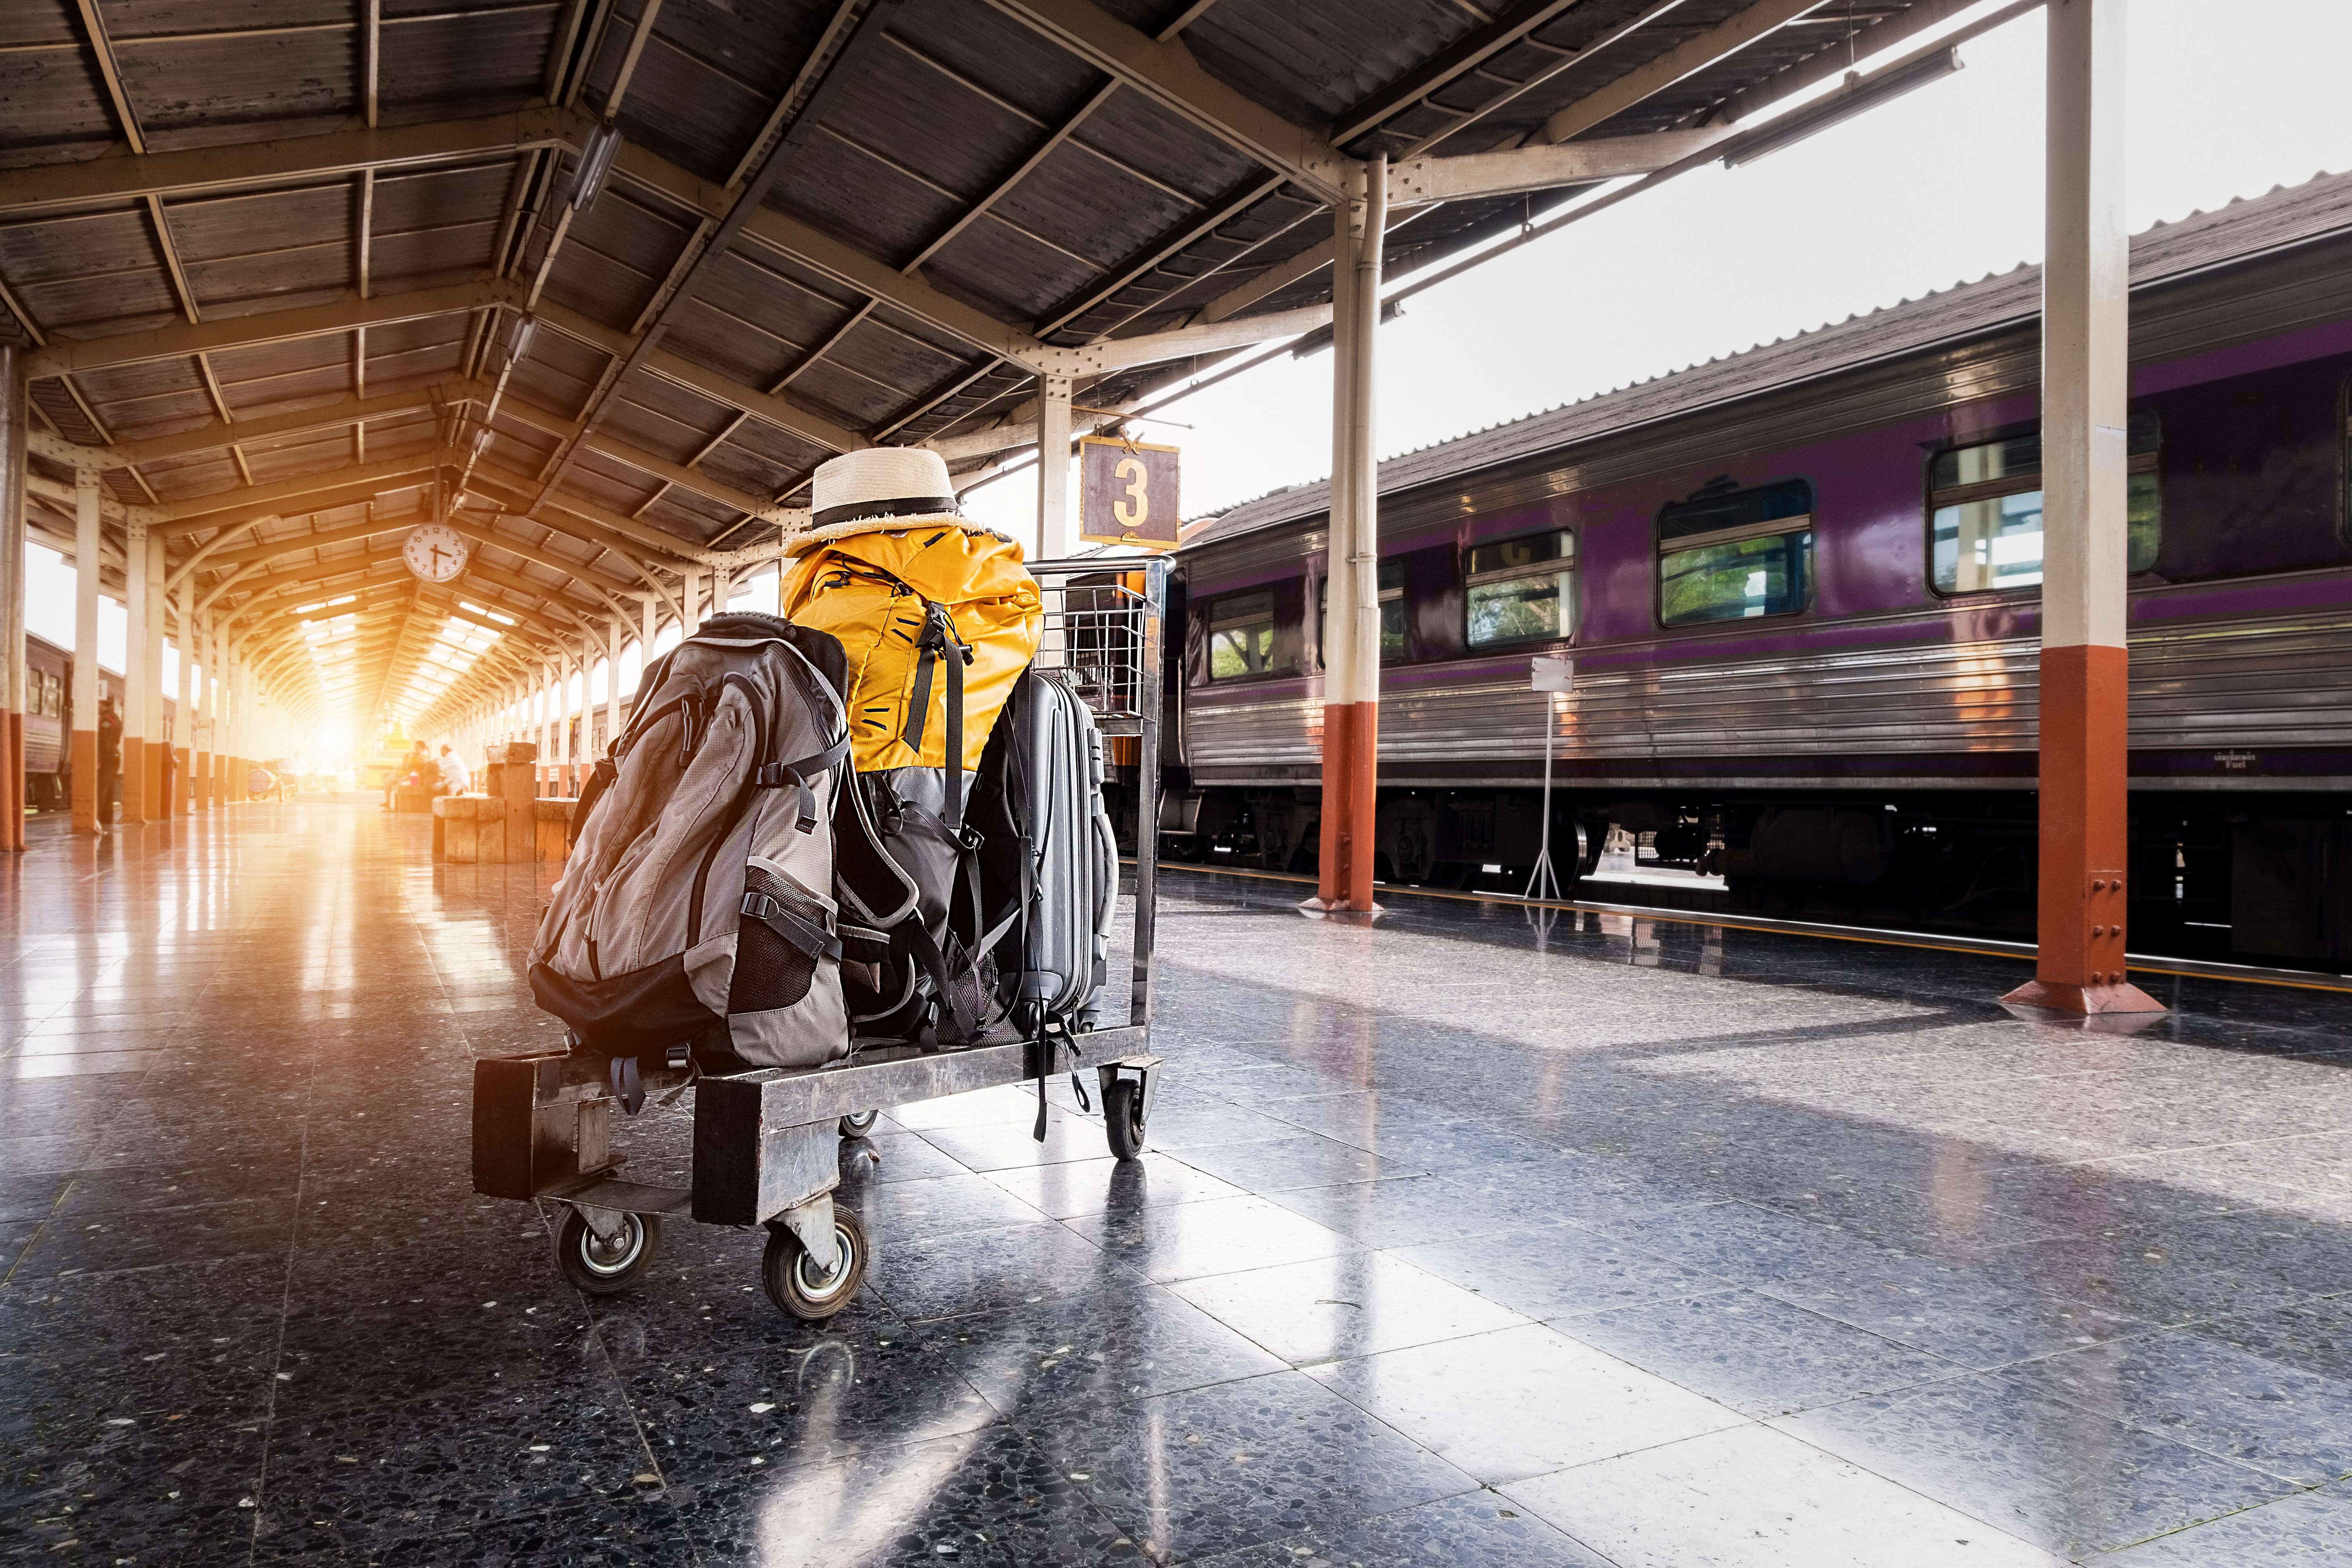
{"x": 1131, "y": 470}
{"x": 1127, "y": 493}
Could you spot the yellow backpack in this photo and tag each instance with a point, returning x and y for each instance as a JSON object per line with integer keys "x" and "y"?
{"x": 929, "y": 614}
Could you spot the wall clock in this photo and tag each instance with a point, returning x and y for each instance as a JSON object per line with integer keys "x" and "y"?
{"x": 436, "y": 551}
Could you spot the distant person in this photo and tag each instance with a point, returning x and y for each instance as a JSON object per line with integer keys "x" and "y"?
{"x": 413, "y": 773}
{"x": 455, "y": 779}
{"x": 109, "y": 758}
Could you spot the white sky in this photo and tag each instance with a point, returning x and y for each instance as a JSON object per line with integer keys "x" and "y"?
{"x": 1942, "y": 185}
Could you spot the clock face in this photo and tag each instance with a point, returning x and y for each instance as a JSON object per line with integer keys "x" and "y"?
{"x": 435, "y": 553}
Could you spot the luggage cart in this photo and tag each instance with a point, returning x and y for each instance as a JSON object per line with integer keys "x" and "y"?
{"x": 766, "y": 1147}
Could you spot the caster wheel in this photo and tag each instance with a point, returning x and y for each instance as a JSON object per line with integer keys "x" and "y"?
{"x": 860, "y": 1125}
{"x": 1123, "y": 1117}
{"x": 798, "y": 1288}
{"x": 600, "y": 1267}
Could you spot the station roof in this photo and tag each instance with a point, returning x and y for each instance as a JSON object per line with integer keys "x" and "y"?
{"x": 2282, "y": 220}
{"x": 301, "y": 273}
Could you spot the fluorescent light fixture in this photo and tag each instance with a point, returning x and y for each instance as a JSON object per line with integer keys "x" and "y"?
{"x": 518, "y": 340}
{"x": 595, "y": 162}
{"x": 1859, "y": 95}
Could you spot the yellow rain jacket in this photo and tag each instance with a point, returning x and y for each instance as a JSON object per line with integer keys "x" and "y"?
{"x": 873, "y": 584}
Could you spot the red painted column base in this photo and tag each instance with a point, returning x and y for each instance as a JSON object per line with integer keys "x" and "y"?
{"x": 1351, "y": 732}
{"x": 2085, "y": 786}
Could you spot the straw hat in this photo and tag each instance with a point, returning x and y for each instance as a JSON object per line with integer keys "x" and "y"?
{"x": 901, "y": 485}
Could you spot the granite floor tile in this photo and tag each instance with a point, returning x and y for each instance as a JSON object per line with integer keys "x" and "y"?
{"x": 2306, "y": 1528}
{"x": 1758, "y": 1356}
{"x": 1750, "y": 1496}
{"x": 1351, "y": 1304}
{"x": 1476, "y": 1527}
{"x": 1522, "y": 1402}
{"x": 2068, "y": 1478}
{"x": 1192, "y": 1474}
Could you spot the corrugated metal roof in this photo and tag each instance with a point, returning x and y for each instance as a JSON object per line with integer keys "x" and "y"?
{"x": 970, "y": 158}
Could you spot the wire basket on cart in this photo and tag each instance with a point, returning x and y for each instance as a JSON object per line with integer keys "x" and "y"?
{"x": 766, "y": 1142}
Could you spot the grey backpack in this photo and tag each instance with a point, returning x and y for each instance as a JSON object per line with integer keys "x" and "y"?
{"x": 695, "y": 918}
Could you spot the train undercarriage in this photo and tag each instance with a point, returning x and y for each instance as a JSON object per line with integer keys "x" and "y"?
{"x": 2252, "y": 878}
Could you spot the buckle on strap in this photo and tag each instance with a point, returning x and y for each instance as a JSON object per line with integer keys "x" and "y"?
{"x": 775, "y": 775}
{"x": 970, "y": 837}
{"x": 759, "y": 906}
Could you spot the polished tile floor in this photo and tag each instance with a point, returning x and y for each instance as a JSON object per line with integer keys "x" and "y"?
{"x": 1483, "y": 1238}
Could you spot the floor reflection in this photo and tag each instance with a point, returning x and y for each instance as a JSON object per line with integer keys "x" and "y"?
{"x": 1491, "y": 1235}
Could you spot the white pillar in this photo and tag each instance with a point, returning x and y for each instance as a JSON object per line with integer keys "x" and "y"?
{"x": 85, "y": 687}
{"x": 12, "y": 437}
{"x": 2084, "y": 777}
{"x": 153, "y": 666}
{"x": 611, "y": 683}
{"x": 1351, "y": 625}
{"x": 183, "y": 720}
{"x": 1057, "y": 538}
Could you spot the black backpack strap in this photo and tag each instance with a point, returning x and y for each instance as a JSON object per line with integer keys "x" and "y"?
{"x": 786, "y": 923}
{"x": 917, "y": 942}
{"x": 777, "y": 775}
{"x": 941, "y": 643}
{"x": 599, "y": 781}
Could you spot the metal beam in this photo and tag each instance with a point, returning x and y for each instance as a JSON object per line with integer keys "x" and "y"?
{"x": 1168, "y": 75}
{"x": 118, "y": 177}
{"x": 1121, "y": 353}
{"x": 109, "y": 70}
{"x": 652, "y": 463}
{"x": 220, "y": 433}
{"x": 1542, "y": 167}
{"x": 357, "y": 482}
{"x": 1466, "y": 54}
{"x": 1687, "y": 59}
{"x": 64, "y": 357}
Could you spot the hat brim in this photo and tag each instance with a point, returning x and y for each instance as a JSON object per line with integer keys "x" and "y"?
{"x": 802, "y": 543}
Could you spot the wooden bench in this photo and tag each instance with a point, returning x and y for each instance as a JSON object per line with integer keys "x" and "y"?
{"x": 471, "y": 829}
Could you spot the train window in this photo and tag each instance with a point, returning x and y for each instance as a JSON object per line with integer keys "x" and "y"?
{"x": 1241, "y": 635}
{"x": 1729, "y": 554}
{"x": 1520, "y": 590}
{"x": 1394, "y": 642}
{"x": 1984, "y": 505}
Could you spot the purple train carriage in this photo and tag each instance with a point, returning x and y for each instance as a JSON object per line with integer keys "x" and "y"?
{"x": 48, "y": 721}
{"x": 1799, "y": 589}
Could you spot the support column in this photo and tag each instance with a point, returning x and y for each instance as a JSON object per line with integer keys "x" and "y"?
{"x": 1351, "y": 621}
{"x": 152, "y": 774}
{"x": 137, "y": 690}
{"x": 689, "y": 598}
{"x": 2085, "y": 416}
{"x": 184, "y": 708}
{"x": 205, "y": 713}
{"x": 1057, "y": 538}
{"x": 83, "y": 754}
{"x": 12, "y": 598}
{"x": 183, "y": 717}
{"x": 611, "y": 683}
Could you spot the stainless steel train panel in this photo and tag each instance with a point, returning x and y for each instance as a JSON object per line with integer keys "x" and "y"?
{"x": 2269, "y": 683}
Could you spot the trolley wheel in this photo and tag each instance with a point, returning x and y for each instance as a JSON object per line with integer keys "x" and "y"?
{"x": 860, "y": 1125}
{"x": 1123, "y": 1117}
{"x": 795, "y": 1283}
{"x": 596, "y": 1267}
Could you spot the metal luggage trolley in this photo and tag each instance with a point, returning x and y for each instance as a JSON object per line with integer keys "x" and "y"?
{"x": 766, "y": 1142}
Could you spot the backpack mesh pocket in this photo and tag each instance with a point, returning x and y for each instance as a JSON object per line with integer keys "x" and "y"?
{"x": 770, "y": 971}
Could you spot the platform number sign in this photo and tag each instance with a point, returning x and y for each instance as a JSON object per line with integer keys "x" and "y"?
{"x": 1127, "y": 493}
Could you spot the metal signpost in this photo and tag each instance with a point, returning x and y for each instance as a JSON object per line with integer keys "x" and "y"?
{"x": 1548, "y": 673}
